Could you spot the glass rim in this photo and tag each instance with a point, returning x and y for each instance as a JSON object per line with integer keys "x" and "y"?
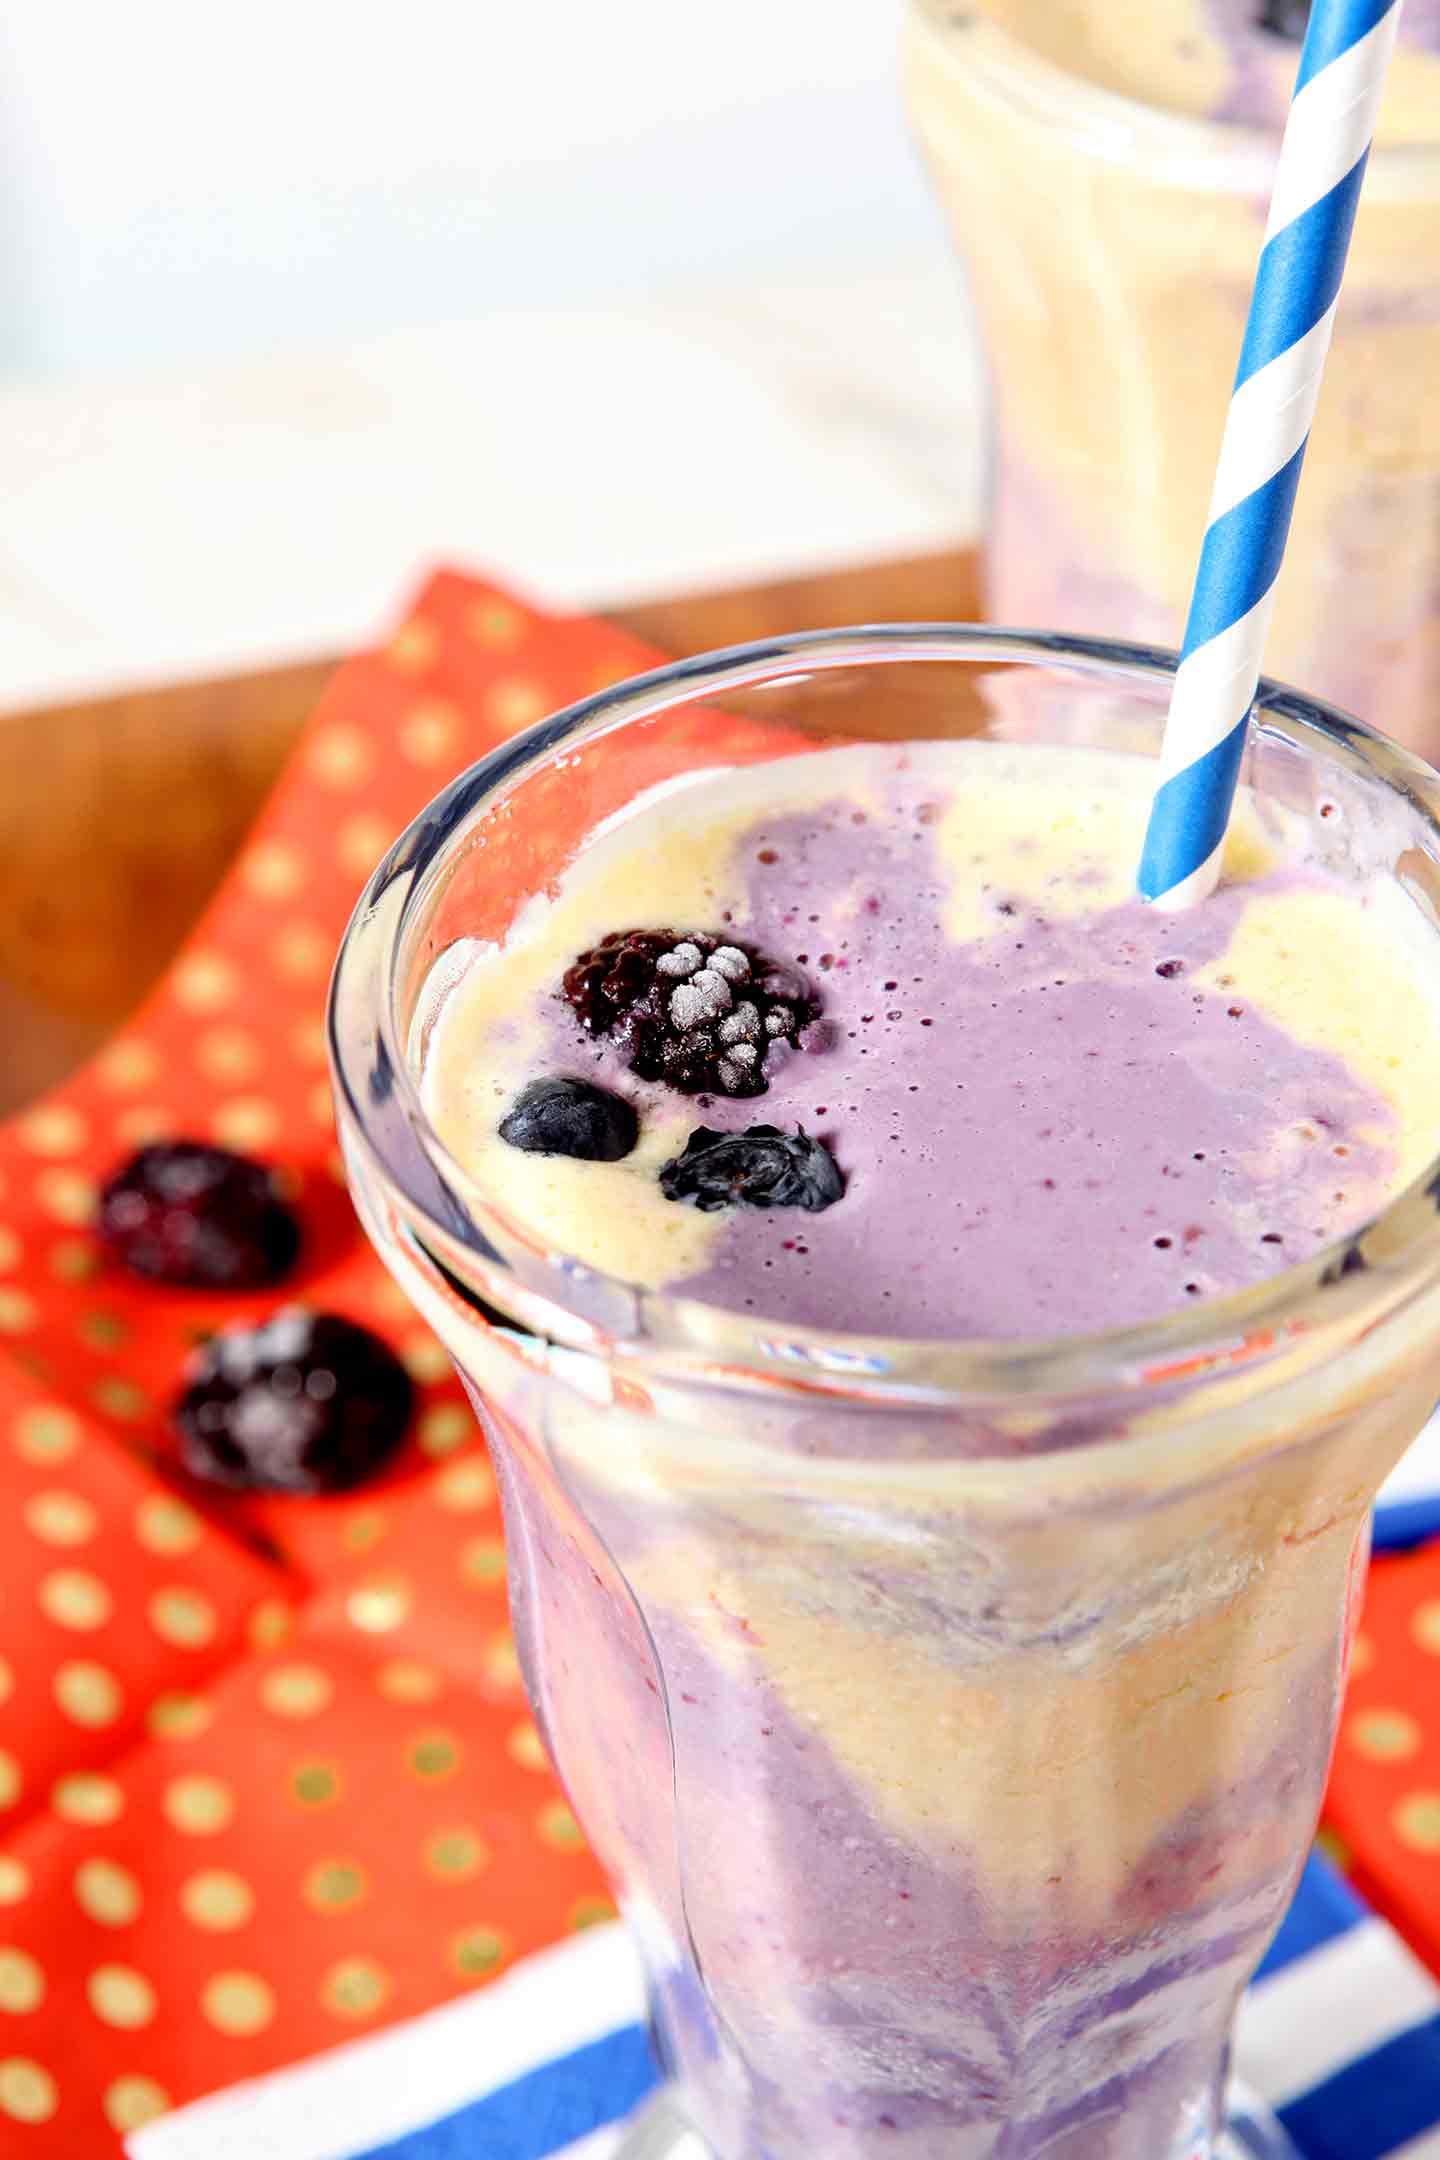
{"x": 1118, "y": 127}
{"x": 1355, "y": 1282}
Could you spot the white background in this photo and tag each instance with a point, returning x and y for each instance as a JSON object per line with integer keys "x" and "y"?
{"x": 187, "y": 181}
{"x": 300, "y": 297}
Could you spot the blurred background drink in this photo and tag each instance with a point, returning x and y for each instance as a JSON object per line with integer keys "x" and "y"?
{"x": 1105, "y": 168}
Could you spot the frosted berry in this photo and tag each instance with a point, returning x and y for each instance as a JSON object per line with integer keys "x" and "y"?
{"x": 306, "y": 1403}
{"x": 198, "y": 1217}
{"x": 690, "y": 1009}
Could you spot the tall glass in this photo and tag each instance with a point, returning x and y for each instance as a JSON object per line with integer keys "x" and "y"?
{"x": 1110, "y": 247}
{"x": 952, "y": 1718}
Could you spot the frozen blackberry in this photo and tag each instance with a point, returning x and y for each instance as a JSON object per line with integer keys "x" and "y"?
{"x": 198, "y": 1217}
{"x": 557, "y": 1116}
{"x": 306, "y": 1403}
{"x": 761, "y": 1167}
{"x": 1284, "y": 19}
{"x": 689, "y": 1008}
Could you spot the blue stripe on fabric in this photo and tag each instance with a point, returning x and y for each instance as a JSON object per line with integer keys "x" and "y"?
{"x": 1189, "y": 815}
{"x": 542, "y": 2112}
{"x": 1299, "y": 274}
{"x": 1373, "y": 2105}
{"x": 1334, "y": 29}
{"x": 1241, "y": 557}
{"x": 1323, "y": 1907}
{"x": 1401, "y": 1524}
{"x": 1246, "y": 2134}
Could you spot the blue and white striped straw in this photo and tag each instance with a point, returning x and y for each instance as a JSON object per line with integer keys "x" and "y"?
{"x": 1292, "y": 314}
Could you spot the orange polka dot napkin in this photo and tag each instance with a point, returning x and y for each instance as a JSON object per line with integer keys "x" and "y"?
{"x": 267, "y": 1780}
{"x": 1383, "y": 1810}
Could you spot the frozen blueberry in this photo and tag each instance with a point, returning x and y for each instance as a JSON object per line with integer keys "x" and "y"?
{"x": 556, "y": 1116}
{"x": 306, "y": 1403}
{"x": 1284, "y": 19}
{"x": 198, "y": 1217}
{"x": 761, "y": 1167}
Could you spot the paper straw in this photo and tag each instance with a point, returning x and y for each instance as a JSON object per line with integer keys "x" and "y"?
{"x": 1292, "y": 314}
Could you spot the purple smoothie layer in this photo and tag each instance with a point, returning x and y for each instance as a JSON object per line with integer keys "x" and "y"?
{"x": 825, "y": 1984}
{"x": 1051, "y": 1130}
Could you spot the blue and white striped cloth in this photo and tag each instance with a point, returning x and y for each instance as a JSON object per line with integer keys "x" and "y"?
{"x": 1340, "y": 2037}
{"x": 1409, "y": 1510}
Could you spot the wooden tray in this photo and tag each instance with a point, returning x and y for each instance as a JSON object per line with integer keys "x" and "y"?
{"x": 118, "y": 816}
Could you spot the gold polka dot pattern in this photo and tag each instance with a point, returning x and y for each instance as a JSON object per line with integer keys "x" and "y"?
{"x": 364, "y": 1529}
{"x": 60, "y": 1518}
{"x": 107, "y": 1892}
{"x": 58, "y": 1130}
{"x": 164, "y": 1524}
{"x": 466, "y": 1486}
{"x": 592, "y": 1912}
{"x": 434, "y": 1755}
{"x": 238, "y": 2003}
{"x": 295, "y": 1690}
{"x": 273, "y": 870}
{"x": 176, "y": 1715}
{"x": 555, "y": 1825}
{"x": 524, "y": 1746}
{"x": 335, "y": 1885}
{"x": 217, "y": 1900}
{"x": 128, "y": 1063}
{"x": 85, "y": 1796}
{"x": 445, "y": 1427}
{"x": 22, "y": 1983}
{"x": 17, "y": 1311}
{"x": 429, "y": 733}
{"x": 270, "y": 1623}
{"x": 425, "y": 1359}
{"x": 316, "y": 1785}
{"x": 183, "y": 1617}
{"x": 205, "y": 982}
{"x": 121, "y": 1997}
{"x": 74, "y": 1598}
{"x": 45, "y": 1433}
{"x": 1383, "y": 1808}
{"x": 1417, "y": 1822}
{"x": 355, "y": 1988}
{"x": 406, "y": 1680}
{"x": 131, "y": 2102}
{"x": 28, "y": 2093}
{"x": 89, "y": 1694}
{"x": 456, "y": 1855}
{"x": 476, "y": 1951}
{"x": 413, "y": 647}
{"x": 1384, "y": 1735}
{"x": 381, "y": 1605}
{"x": 198, "y": 1806}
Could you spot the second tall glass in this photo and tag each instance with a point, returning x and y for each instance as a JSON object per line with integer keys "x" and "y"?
{"x": 1110, "y": 246}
